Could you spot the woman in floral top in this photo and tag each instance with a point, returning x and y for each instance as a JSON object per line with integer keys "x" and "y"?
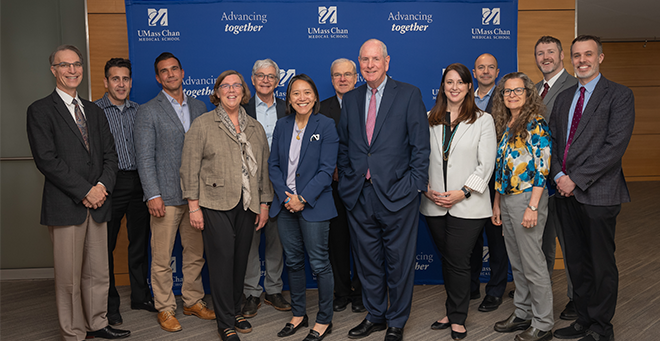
{"x": 521, "y": 202}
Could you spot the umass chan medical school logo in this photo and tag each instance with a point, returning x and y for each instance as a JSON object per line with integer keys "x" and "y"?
{"x": 490, "y": 17}
{"x": 327, "y": 15}
{"x": 158, "y": 17}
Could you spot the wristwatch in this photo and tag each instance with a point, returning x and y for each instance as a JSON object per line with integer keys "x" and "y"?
{"x": 300, "y": 198}
{"x": 466, "y": 192}
{"x": 533, "y": 208}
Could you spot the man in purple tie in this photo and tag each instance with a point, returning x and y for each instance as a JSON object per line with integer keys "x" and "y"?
{"x": 550, "y": 61}
{"x": 383, "y": 164}
{"x": 591, "y": 125}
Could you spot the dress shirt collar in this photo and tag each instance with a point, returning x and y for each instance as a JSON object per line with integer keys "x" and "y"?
{"x": 554, "y": 79}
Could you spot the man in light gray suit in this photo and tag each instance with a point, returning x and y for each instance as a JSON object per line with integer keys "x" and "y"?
{"x": 591, "y": 126}
{"x": 160, "y": 128}
{"x": 550, "y": 60}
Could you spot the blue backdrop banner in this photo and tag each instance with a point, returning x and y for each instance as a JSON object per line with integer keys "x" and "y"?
{"x": 422, "y": 38}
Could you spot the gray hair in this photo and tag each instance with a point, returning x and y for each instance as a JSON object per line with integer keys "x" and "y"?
{"x": 264, "y": 63}
{"x": 343, "y": 60}
{"x": 382, "y": 46}
{"x": 51, "y": 59}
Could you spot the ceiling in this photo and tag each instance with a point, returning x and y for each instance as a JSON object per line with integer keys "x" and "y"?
{"x": 619, "y": 20}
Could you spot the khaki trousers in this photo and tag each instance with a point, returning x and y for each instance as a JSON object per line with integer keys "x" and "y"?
{"x": 80, "y": 257}
{"x": 163, "y": 234}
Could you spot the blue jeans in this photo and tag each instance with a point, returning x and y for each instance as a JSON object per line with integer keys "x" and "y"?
{"x": 298, "y": 235}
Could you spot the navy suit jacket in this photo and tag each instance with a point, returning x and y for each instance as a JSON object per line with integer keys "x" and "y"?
{"x": 251, "y": 108}
{"x": 594, "y": 157}
{"x": 318, "y": 157}
{"x": 70, "y": 170}
{"x": 398, "y": 156}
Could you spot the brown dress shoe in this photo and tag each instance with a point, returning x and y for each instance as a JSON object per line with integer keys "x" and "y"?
{"x": 168, "y": 322}
{"x": 200, "y": 310}
{"x": 534, "y": 334}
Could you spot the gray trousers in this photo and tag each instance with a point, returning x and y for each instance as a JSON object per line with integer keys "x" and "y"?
{"x": 552, "y": 230}
{"x": 273, "y": 259}
{"x": 533, "y": 297}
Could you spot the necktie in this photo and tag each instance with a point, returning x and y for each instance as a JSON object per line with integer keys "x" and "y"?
{"x": 577, "y": 115}
{"x": 81, "y": 123}
{"x": 545, "y": 90}
{"x": 371, "y": 121}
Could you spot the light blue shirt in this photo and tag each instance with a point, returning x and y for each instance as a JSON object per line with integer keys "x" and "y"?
{"x": 379, "y": 97}
{"x": 294, "y": 156}
{"x": 181, "y": 110}
{"x": 482, "y": 103}
{"x": 589, "y": 90}
{"x": 267, "y": 116}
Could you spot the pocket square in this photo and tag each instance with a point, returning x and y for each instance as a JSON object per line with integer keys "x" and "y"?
{"x": 315, "y": 137}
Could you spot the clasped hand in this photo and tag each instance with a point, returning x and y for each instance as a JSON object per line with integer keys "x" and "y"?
{"x": 445, "y": 199}
{"x": 96, "y": 197}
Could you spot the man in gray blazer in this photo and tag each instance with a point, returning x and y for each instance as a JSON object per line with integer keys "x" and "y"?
{"x": 550, "y": 60}
{"x": 160, "y": 128}
{"x": 591, "y": 126}
{"x": 267, "y": 109}
{"x": 73, "y": 147}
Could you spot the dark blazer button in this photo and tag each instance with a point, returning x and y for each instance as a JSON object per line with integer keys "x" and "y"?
{"x": 368, "y": 154}
{"x": 298, "y": 174}
{"x": 214, "y": 184}
{"x": 363, "y": 174}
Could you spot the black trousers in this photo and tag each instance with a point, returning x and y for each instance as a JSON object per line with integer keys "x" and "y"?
{"x": 498, "y": 259}
{"x": 227, "y": 239}
{"x": 589, "y": 235}
{"x": 455, "y": 239}
{"x": 340, "y": 252}
{"x": 127, "y": 199}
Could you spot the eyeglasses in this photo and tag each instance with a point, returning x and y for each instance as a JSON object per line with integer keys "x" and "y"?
{"x": 65, "y": 65}
{"x": 517, "y": 91}
{"x": 260, "y": 76}
{"x": 345, "y": 75}
{"x": 235, "y": 86}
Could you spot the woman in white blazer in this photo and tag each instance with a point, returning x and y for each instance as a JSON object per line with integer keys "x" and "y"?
{"x": 457, "y": 203}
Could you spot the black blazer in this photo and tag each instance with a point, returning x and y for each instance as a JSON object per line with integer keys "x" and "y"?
{"x": 251, "y": 108}
{"x": 330, "y": 107}
{"x": 70, "y": 170}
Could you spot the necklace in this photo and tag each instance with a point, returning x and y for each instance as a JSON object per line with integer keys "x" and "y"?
{"x": 298, "y": 131}
{"x": 445, "y": 149}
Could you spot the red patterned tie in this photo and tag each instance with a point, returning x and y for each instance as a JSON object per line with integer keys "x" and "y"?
{"x": 371, "y": 121}
{"x": 545, "y": 90}
{"x": 577, "y": 115}
{"x": 81, "y": 122}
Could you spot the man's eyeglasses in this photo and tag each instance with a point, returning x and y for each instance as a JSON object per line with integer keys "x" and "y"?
{"x": 345, "y": 75}
{"x": 260, "y": 76}
{"x": 65, "y": 65}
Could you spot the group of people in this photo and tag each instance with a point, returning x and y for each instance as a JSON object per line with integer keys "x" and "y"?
{"x": 313, "y": 175}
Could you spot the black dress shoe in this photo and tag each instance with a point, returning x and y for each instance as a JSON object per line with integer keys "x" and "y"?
{"x": 365, "y": 328}
{"x": 108, "y": 333}
{"x": 512, "y": 293}
{"x": 289, "y": 329}
{"x": 569, "y": 313}
{"x": 315, "y": 336}
{"x": 573, "y": 331}
{"x": 339, "y": 304}
{"x": 278, "y": 302}
{"x": 146, "y": 305}
{"x": 440, "y": 325}
{"x": 511, "y": 324}
{"x": 490, "y": 303}
{"x": 475, "y": 295}
{"x": 251, "y": 306}
{"x": 458, "y": 335}
{"x": 394, "y": 334}
{"x": 114, "y": 319}
{"x": 357, "y": 306}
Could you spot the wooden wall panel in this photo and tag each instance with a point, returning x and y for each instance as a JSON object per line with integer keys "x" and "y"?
{"x": 106, "y": 6}
{"x": 535, "y": 5}
{"x": 561, "y": 25}
{"x": 642, "y": 159}
{"x": 108, "y": 38}
{"x": 647, "y": 113}
{"x": 631, "y": 63}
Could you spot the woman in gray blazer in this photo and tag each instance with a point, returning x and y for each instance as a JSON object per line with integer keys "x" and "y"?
{"x": 224, "y": 177}
{"x": 457, "y": 202}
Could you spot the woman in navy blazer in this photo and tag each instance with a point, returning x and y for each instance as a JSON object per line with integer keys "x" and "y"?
{"x": 302, "y": 161}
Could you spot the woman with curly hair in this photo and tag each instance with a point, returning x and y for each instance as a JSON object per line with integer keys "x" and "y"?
{"x": 521, "y": 202}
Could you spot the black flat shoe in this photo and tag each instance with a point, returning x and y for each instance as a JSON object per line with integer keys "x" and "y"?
{"x": 289, "y": 329}
{"x": 440, "y": 325}
{"x": 458, "y": 335}
{"x": 315, "y": 336}
{"x": 108, "y": 333}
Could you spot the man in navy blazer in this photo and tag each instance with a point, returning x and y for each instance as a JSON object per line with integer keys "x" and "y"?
{"x": 267, "y": 109}
{"x": 343, "y": 74}
{"x": 591, "y": 126}
{"x": 159, "y": 132}
{"x": 550, "y": 61}
{"x": 73, "y": 147}
{"x": 383, "y": 164}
